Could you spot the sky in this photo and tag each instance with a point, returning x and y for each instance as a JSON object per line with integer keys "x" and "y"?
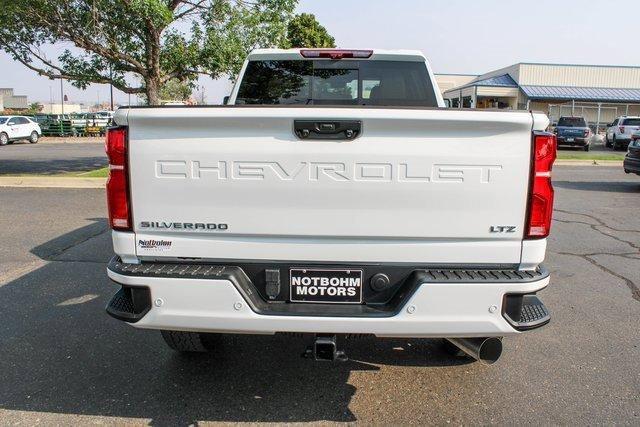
{"x": 457, "y": 36}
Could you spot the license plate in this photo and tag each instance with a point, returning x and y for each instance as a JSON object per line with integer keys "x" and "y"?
{"x": 325, "y": 285}
{"x": 570, "y": 139}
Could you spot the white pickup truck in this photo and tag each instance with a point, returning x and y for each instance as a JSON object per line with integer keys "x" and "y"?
{"x": 334, "y": 196}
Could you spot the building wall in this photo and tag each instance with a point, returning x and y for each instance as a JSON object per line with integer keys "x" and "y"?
{"x": 9, "y": 100}
{"x": 579, "y": 75}
{"x": 57, "y": 108}
{"x": 498, "y": 91}
{"x": 17, "y": 102}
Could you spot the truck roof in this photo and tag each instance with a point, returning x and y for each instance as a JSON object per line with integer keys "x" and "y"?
{"x": 377, "y": 54}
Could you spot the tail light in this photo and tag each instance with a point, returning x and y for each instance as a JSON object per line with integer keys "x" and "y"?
{"x": 541, "y": 192}
{"x": 117, "y": 183}
{"x": 586, "y": 132}
{"x": 621, "y": 128}
{"x": 335, "y": 53}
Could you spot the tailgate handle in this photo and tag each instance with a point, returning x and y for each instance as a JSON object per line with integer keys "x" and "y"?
{"x": 339, "y": 130}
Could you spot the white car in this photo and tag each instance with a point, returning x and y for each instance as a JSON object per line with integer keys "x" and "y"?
{"x": 618, "y": 134}
{"x": 334, "y": 196}
{"x": 15, "y": 128}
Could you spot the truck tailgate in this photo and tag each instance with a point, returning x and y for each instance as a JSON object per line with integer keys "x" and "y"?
{"x": 418, "y": 185}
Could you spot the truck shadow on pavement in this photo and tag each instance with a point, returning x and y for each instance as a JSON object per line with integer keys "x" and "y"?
{"x": 61, "y": 353}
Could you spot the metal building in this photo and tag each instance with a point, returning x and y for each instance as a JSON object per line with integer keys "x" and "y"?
{"x": 598, "y": 93}
{"x": 14, "y": 102}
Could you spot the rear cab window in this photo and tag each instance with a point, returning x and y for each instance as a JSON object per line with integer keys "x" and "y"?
{"x": 572, "y": 122}
{"x": 630, "y": 122}
{"x": 344, "y": 82}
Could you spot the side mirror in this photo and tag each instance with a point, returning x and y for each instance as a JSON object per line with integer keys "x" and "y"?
{"x": 447, "y": 103}
{"x": 225, "y": 100}
{"x": 554, "y": 124}
{"x": 11, "y": 124}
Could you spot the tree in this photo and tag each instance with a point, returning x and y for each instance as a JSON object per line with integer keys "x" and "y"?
{"x": 175, "y": 90}
{"x": 34, "y": 108}
{"x": 305, "y": 31}
{"x": 140, "y": 46}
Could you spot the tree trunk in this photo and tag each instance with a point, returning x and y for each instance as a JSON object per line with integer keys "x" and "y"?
{"x": 152, "y": 79}
{"x": 152, "y": 88}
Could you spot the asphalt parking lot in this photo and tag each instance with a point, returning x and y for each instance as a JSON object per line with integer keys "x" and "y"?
{"x": 52, "y": 158}
{"x": 64, "y": 361}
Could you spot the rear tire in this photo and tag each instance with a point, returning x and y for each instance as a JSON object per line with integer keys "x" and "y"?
{"x": 587, "y": 147}
{"x": 607, "y": 143}
{"x": 34, "y": 137}
{"x": 189, "y": 342}
{"x": 614, "y": 144}
{"x": 4, "y": 138}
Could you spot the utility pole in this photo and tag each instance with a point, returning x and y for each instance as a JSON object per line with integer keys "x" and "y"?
{"x": 111, "y": 84}
{"x": 61, "y": 97}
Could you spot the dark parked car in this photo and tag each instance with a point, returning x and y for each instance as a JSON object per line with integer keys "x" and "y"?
{"x": 632, "y": 159}
{"x": 573, "y": 132}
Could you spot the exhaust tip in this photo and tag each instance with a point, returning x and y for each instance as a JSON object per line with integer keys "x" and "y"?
{"x": 490, "y": 350}
{"x": 486, "y": 350}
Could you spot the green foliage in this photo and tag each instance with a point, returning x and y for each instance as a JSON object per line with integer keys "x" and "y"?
{"x": 35, "y": 108}
{"x": 175, "y": 90}
{"x": 140, "y": 45}
{"x": 305, "y": 31}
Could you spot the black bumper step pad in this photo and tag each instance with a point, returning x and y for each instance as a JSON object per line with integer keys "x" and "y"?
{"x": 525, "y": 312}
{"x": 130, "y": 304}
{"x": 484, "y": 276}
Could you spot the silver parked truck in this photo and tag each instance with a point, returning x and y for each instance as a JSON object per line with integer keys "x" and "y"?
{"x": 334, "y": 195}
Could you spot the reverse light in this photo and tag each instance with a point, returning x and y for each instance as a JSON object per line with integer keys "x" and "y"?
{"x": 541, "y": 192}
{"x": 335, "y": 53}
{"x": 117, "y": 183}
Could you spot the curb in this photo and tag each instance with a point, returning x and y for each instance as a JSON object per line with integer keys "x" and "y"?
{"x": 587, "y": 162}
{"x": 51, "y": 182}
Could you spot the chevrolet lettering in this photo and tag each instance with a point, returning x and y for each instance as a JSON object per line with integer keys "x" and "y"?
{"x": 408, "y": 172}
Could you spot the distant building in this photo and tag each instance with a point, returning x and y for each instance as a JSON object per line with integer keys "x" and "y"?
{"x": 10, "y": 101}
{"x": 597, "y": 92}
{"x": 69, "y": 108}
{"x": 451, "y": 81}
